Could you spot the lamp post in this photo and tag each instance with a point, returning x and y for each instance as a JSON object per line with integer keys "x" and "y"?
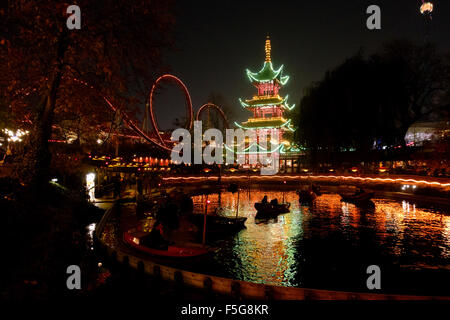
{"x": 204, "y": 220}
{"x": 426, "y": 9}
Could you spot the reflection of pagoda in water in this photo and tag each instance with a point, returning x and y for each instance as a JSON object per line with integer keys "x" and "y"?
{"x": 268, "y": 110}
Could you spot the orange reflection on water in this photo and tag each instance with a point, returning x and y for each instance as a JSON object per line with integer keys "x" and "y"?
{"x": 264, "y": 246}
{"x": 269, "y": 251}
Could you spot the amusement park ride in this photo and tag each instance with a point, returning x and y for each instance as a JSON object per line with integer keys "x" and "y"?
{"x": 155, "y": 136}
{"x": 267, "y": 106}
{"x": 268, "y": 109}
{"x": 167, "y": 144}
{"x": 269, "y": 116}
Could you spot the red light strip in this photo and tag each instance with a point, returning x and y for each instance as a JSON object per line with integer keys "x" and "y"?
{"x": 162, "y": 143}
{"x": 212, "y": 106}
{"x": 133, "y": 126}
{"x": 276, "y": 177}
{"x": 188, "y": 101}
{"x": 125, "y": 117}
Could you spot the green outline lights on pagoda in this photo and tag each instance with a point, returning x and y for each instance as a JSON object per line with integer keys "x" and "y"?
{"x": 267, "y": 106}
{"x": 267, "y": 73}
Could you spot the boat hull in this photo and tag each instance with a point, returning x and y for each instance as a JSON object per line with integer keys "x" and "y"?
{"x": 267, "y": 209}
{"x": 363, "y": 198}
{"x": 218, "y": 224}
{"x": 173, "y": 253}
{"x": 306, "y": 197}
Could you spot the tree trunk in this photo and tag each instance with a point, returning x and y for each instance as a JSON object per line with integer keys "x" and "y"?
{"x": 39, "y": 156}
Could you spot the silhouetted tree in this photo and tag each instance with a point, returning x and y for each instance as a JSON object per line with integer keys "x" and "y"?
{"x": 365, "y": 100}
{"x": 416, "y": 79}
{"x": 45, "y": 65}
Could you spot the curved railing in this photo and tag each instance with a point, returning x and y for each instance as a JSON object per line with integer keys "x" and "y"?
{"x": 443, "y": 183}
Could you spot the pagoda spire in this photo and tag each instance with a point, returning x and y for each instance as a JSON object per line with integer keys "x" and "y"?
{"x": 267, "y": 49}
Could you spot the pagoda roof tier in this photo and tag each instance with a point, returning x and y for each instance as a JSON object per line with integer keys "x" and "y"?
{"x": 261, "y": 101}
{"x": 266, "y": 123}
{"x": 267, "y": 73}
{"x": 254, "y": 148}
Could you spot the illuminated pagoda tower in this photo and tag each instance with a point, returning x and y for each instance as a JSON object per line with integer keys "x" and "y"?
{"x": 268, "y": 108}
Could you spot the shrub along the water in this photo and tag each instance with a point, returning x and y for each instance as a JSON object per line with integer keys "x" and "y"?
{"x": 41, "y": 235}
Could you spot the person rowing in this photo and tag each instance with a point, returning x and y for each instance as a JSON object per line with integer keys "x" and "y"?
{"x": 155, "y": 238}
{"x": 264, "y": 200}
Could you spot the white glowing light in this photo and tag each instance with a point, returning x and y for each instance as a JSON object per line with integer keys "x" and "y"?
{"x": 15, "y": 136}
{"x": 90, "y": 177}
{"x": 426, "y": 7}
{"x": 90, "y": 185}
{"x": 71, "y": 137}
{"x": 294, "y": 177}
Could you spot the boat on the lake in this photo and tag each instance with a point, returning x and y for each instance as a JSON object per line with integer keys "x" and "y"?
{"x": 306, "y": 197}
{"x": 172, "y": 252}
{"x": 216, "y": 223}
{"x": 271, "y": 209}
{"x": 359, "y": 198}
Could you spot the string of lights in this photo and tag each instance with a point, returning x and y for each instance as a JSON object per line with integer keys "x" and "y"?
{"x": 309, "y": 177}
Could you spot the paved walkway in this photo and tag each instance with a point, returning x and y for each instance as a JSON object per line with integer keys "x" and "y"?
{"x": 107, "y": 202}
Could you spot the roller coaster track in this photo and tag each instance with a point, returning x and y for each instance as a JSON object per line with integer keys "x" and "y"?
{"x": 158, "y": 139}
{"x": 215, "y": 107}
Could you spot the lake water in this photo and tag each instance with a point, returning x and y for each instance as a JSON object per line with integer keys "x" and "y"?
{"x": 330, "y": 244}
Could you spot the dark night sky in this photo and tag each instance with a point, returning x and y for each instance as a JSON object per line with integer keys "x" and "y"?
{"x": 218, "y": 40}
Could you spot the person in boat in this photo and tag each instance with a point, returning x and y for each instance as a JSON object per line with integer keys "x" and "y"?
{"x": 168, "y": 214}
{"x": 264, "y": 200}
{"x": 274, "y": 202}
{"x": 154, "y": 239}
{"x": 172, "y": 213}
